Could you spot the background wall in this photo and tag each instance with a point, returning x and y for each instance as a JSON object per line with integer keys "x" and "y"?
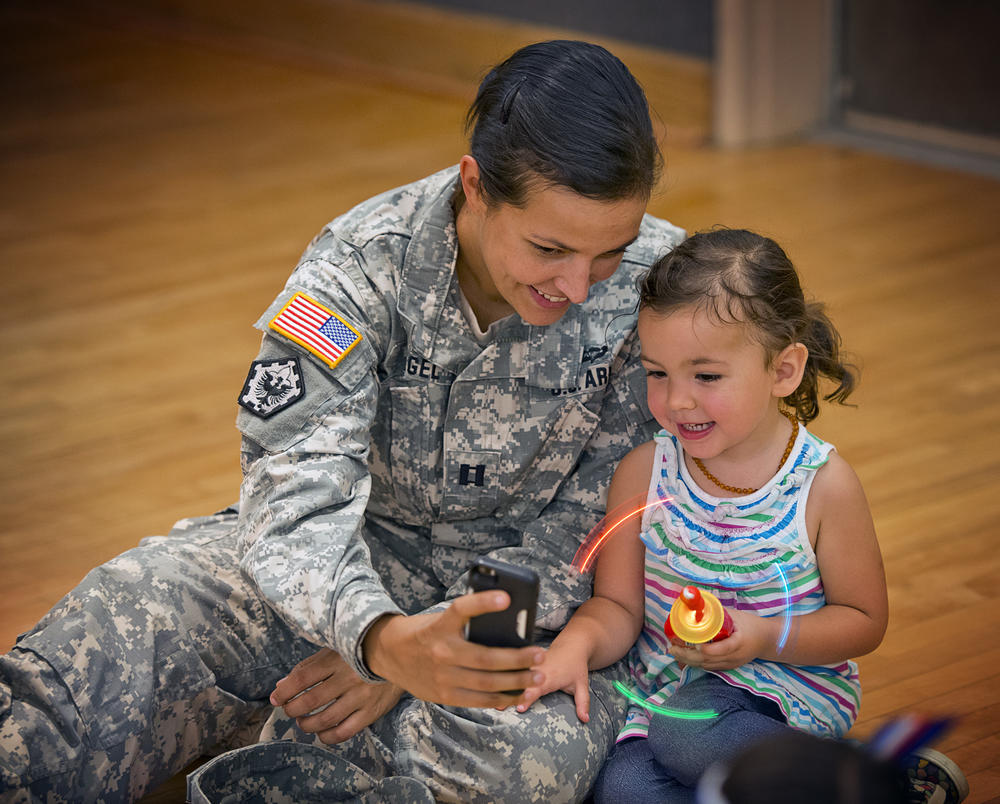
{"x": 682, "y": 26}
{"x": 914, "y": 78}
{"x": 924, "y": 61}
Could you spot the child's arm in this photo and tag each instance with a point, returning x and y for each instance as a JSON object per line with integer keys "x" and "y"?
{"x": 854, "y": 618}
{"x": 602, "y": 630}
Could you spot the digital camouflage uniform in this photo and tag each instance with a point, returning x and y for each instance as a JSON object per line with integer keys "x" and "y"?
{"x": 383, "y": 450}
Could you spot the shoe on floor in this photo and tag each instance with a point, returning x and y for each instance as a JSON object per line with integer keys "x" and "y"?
{"x": 934, "y": 779}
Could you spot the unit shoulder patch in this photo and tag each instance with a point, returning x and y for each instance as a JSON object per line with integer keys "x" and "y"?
{"x": 316, "y": 328}
{"x": 272, "y": 385}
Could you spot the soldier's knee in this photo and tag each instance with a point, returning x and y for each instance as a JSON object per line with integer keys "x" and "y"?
{"x": 40, "y": 729}
{"x": 481, "y": 755}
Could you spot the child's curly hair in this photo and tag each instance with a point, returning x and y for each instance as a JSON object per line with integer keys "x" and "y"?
{"x": 743, "y": 277}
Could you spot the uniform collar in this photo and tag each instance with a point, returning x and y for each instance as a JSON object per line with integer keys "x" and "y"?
{"x": 429, "y": 264}
{"x": 554, "y": 351}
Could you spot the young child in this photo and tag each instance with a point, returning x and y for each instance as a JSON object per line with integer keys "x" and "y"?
{"x": 748, "y": 505}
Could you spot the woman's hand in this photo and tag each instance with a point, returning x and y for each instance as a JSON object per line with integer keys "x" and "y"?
{"x": 326, "y": 680}
{"x": 429, "y": 657}
{"x": 752, "y": 636}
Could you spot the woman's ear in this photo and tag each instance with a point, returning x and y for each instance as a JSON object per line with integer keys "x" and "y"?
{"x": 468, "y": 169}
{"x": 788, "y": 367}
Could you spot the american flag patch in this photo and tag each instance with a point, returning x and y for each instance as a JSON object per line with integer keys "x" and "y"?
{"x": 313, "y": 326}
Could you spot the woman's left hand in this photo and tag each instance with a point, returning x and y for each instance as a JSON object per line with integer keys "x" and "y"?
{"x": 325, "y": 678}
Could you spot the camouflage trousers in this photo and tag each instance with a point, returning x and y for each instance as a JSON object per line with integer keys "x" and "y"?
{"x": 166, "y": 654}
{"x": 422, "y": 752}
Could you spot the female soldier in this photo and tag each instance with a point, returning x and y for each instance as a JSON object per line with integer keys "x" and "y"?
{"x": 442, "y": 377}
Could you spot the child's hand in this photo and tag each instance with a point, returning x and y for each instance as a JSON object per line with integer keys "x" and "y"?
{"x": 564, "y": 669}
{"x": 750, "y": 639}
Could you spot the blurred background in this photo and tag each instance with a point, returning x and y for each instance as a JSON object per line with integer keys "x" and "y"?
{"x": 163, "y": 163}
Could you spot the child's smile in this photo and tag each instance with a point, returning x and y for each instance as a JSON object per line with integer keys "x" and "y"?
{"x": 694, "y": 432}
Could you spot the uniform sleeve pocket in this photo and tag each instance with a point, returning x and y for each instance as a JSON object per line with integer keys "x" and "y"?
{"x": 285, "y": 393}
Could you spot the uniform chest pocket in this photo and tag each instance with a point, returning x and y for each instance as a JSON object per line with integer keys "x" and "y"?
{"x": 554, "y": 460}
{"x": 524, "y": 472}
{"x": 409, "y": 458}
{"x": 471, "y": 483}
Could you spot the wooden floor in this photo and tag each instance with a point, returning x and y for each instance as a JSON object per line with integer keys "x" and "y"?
{"x": 156, "y": 189}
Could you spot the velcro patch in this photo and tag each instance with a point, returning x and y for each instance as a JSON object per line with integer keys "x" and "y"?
{"x": 316, "y": 328}
{"x": 272, "y": 385}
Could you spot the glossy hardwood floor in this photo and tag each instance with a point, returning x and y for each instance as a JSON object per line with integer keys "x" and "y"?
{"x": 157, "y": 188}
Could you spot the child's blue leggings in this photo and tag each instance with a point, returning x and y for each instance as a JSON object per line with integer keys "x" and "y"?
{"x": 667, "y": 765}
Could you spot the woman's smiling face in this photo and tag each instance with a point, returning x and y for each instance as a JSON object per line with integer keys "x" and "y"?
{"x": 539, "y": 258}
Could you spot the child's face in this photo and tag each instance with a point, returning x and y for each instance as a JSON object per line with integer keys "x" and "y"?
{"x": 707, "y": 382}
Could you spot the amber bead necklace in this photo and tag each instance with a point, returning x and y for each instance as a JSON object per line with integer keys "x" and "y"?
{"x": 788, "y": 451}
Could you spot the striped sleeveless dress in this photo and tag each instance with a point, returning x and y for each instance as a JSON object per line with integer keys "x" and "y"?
{"x": 753, "y": 553}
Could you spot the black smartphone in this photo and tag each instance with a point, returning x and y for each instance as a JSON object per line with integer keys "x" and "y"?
{"x": 514, "y": 627}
